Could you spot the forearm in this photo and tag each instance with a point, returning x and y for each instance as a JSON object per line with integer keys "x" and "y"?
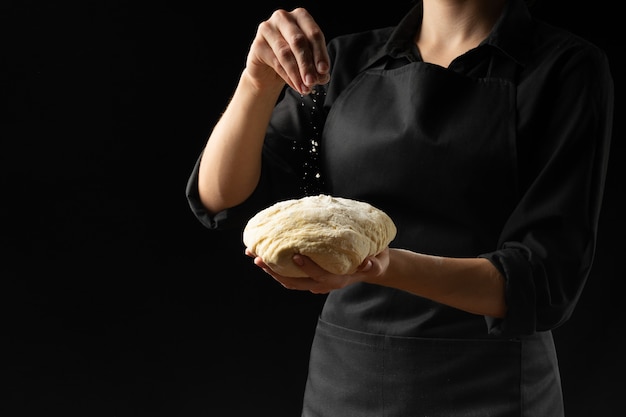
{"x": 470, "y": 284}
{"x": 231, "y": 161}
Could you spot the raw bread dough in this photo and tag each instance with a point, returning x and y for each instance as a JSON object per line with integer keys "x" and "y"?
{"x": 336, "y": 233}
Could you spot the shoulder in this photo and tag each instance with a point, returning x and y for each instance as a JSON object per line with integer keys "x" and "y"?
{"x": 560, "y": 61}
{"x": 356, "y": 51}
{"x": 559, "y": 48}
{"x": 351, "y": 54}
{"x": 371, "y": 39}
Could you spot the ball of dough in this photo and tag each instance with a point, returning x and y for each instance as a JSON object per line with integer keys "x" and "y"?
{"x": 336, "y": 233}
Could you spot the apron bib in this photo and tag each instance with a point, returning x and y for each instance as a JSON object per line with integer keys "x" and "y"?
{"x": 434, "y": 137}
{"x": 433, "y": 134}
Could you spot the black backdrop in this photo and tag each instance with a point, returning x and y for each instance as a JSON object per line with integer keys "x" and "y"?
{"x": 116, "y": 301}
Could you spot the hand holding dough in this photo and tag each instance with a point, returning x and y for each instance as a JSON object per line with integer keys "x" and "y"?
{"x": 336, "y": 233}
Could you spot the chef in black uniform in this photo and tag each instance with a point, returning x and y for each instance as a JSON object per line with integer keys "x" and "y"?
{"x": 484, "y": 134}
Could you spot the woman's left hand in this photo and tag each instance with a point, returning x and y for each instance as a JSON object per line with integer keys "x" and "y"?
{"x": 320, "y": 281}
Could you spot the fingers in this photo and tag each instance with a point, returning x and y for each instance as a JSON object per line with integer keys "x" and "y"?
{"x": 315, "y": 60}
{"x": 321, "y": 281}
{"x": 314, "y": 285}
{"x": 293, "y": 45}
{"x": 366, "y": 265}
{"x": 302, "y": 284}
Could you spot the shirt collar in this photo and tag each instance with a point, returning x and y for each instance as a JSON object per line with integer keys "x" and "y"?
{"x": 511, "y": 34}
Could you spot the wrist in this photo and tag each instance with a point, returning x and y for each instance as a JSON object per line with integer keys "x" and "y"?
{"x": 270, "y": 88}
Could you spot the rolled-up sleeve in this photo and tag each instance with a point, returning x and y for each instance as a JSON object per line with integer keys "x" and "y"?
{"x": 547, "y": 246}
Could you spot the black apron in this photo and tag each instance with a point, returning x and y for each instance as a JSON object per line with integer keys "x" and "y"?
{"x": 356, "y": 374}
{"x": 368, "y": 357}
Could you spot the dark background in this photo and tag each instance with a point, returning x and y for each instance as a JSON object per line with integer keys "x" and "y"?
{"x": 116, "y": 301}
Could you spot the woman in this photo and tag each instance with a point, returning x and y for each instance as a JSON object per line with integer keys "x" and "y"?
{"x": 484, "y": 134}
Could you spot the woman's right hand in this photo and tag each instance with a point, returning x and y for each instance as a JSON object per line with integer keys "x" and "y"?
{"x": 289, "y": 48}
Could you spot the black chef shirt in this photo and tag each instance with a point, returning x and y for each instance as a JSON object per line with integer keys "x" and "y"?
{"x": 562, "y": 127}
